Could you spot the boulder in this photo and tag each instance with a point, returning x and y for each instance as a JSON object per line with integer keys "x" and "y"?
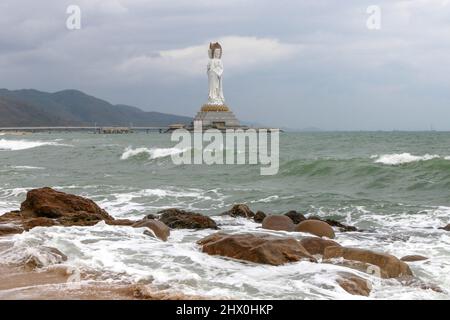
{"x": 240, "y": 210}
{"x": 354, "y": 284}
{"x": 259, "y": 216}
{"x": 315, "y": 227}
{"x": 315, "y": 245}
{"x": 278, "y": 222}
{"x": 49, "y": 203}
{"x": 295, "y": 216}
{"x": 46, "y": 207}
{"x": 160, "y": 230}
{"x": 446, "y": 228}
{"x": 7, "y": 229}
{"x": 342, "y": 227}
{"x": 388, "y": 264}
{"x": 180, "y": 219}
{"x": 413, "y": 258}
{"x": 263, "y": 249}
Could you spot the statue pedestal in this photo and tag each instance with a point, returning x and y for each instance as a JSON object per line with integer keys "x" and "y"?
{"x": 217, "y": 116}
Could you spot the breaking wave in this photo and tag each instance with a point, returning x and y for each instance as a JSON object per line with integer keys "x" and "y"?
{"x": 13, "y": 145}
{"x": 152, "y": 153}
{"x": 402, "y": 158}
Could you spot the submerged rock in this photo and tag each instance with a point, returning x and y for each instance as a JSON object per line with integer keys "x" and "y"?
{"x": 315, "y": 245}
{"x": 240, "y": 210}
{"x": 389, "y": 266}
{"x": 259, "y": 216}
{"x": 180, "y": 219}
{"x": 354, "y": 284}
{"x": 278, "y": 223}
{"x": 295, "y": 216}
{"x": 413, "y": 258}
{"x": 342, "y": 227}
{"x": 160, "y": 230}
{"x": 8, "y": 229}
{"x": 255, "y": 248}
{"x": 315, "y": 227}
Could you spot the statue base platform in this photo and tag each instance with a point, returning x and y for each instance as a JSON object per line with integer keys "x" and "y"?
{"x": 217, "y": 116}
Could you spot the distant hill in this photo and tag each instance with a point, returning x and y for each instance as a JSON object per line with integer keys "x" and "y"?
{"x": 29, "y": 107}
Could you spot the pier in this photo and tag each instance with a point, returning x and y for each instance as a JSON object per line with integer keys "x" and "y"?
{"x": 95, "y": 129}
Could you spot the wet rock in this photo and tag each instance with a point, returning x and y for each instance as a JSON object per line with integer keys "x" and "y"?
{"x": 46, "y": 207}
{"x": 446, "y": 228}
{"x": 180, "y": 219}
{"x": 160, "y": 230}
{"x": 259, "y": 216}
{"x": 120, "y": 222}
{"x": 49, "y": 203}
{"x": 418, "y": 283}
{"x": 263, "y": 249}
{"x": 151, "y": 216}
{"x": 315, "y": 227}
{"x": 295, "y": 216}
{"x": 46, "y": 256}
{"x": 315, "y": 245}
{"x": 8, "y": 229}
{"x": 413, "y": 258}
{"x": 278, "y": 222}
{"x": 342, "y": 227}
{"x": 388, "y": 264}
{"x": 240, "y": 210}
{"x": 354, "y": 284}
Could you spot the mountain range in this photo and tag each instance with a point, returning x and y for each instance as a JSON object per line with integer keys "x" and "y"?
{"x": 33, "y": 108}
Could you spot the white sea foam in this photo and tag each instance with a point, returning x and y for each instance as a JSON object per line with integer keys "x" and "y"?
{"x": 402, "y": 158}
{"x": 13, "y": 145}
{"x": 153, "y": 153}
{"x": 27, "y": 168}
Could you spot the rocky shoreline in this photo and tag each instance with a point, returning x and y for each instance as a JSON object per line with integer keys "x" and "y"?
{"x": 46, "y": 207}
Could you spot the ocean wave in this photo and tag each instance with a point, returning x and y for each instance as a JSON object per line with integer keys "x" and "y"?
{"x": 153, "y": 153}
{"x": 402, "y": 158}
{"x": 14, "y": 145}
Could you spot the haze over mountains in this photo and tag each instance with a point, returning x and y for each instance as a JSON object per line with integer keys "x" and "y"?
{"x": 21, "y": 108}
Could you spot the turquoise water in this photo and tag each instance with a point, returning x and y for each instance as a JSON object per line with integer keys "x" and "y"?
{"x": 394, "y": 185}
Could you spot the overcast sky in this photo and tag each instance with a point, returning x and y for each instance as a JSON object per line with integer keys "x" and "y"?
{"x": 287, "y": 63}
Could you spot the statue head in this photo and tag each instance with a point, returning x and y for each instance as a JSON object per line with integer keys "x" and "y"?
{"x": 215, "y": 50}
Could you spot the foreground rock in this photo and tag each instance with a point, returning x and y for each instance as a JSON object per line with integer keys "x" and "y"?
{"x": 46, "y": 207}
{"x": 315, "y": 227}
{"x": 180, "y": 219}
{"x": 354, "y": 284}
{"x": 240, "y": 210}
{"x": 413, "y": 258}
{"x": 9, "y": 229}
{"x": 160, "y": 230}
{"x": 316, "y": 245}
{"x": 255, "y": 248}
{"x": 390, "y": 266}
{"x": 278, "y": 223}
{"x": 295, "y": 216}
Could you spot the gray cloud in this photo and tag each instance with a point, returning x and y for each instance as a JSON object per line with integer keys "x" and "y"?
{"x": 287, "y": 63}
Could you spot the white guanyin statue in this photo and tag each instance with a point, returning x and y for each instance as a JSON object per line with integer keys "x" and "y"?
{"x": 215, "y": 72}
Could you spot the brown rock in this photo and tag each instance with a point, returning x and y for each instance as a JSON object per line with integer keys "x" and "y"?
{"x": 389, "y": 264}
{"x": 30, "y": 223}
{"x": 47, "y": 256}
{"x": 315, "y": 245}
{"x": 240, "y": 210}
{"x": 49, "y": 203}
{"x": 159, "y": 228}
{"x": 295, "y": 216}
{"x": 315, "y": 227}
{"x": 6, "y": 229}
{"x": 342, "y": 227}
{"x": 354, "y": 284}
{"x": 446, "y": 228}
{"x": 255, "y": 248}
{"x": 413, "y": 258}
{"x": 120, "y": 222}
{"x": 278, "y": 222}
{"x": 180, "y": 219}
{"x": 259, "y": 216}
